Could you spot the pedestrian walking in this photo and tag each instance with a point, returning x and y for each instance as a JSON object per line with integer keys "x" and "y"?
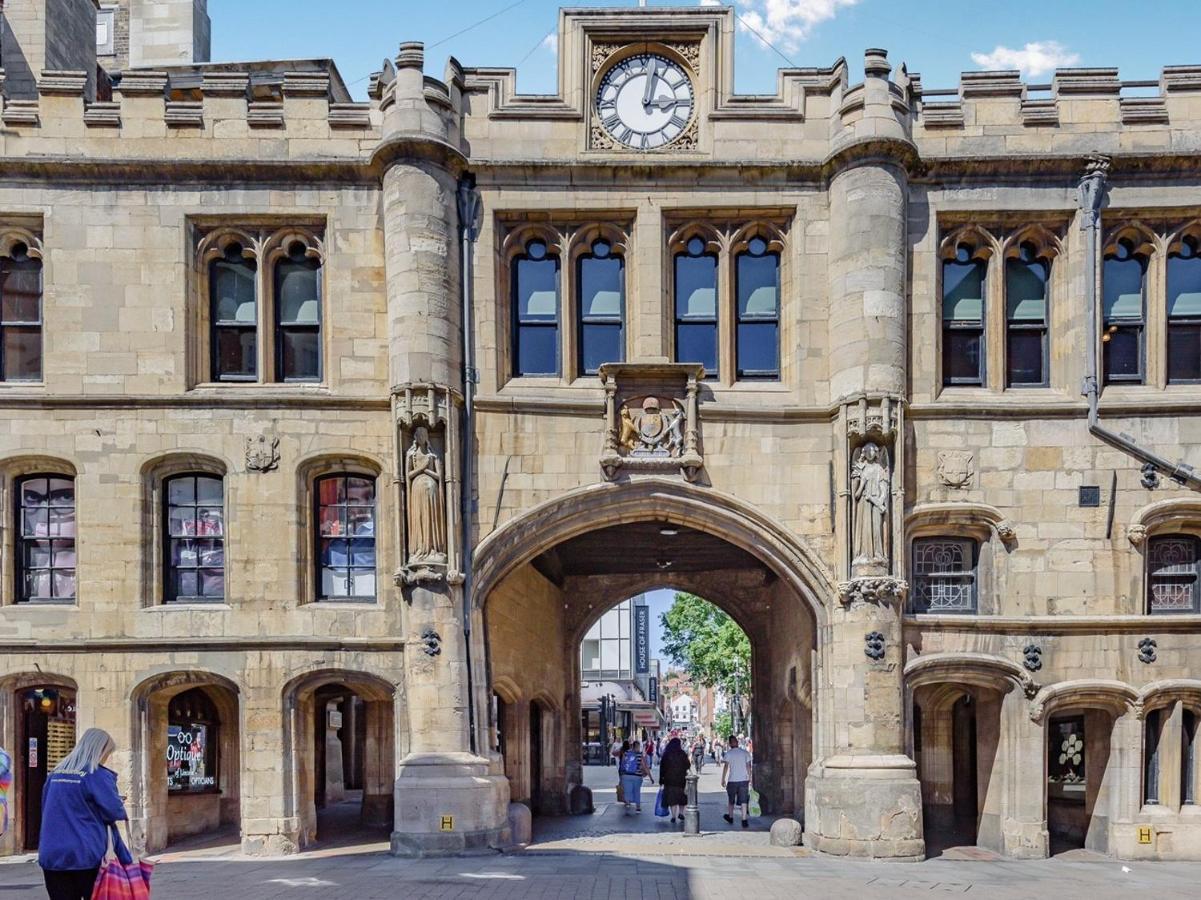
{"x": 79, "y": 803}
{"x": 615, "y": 750}
{"x": 633, "y": 769}
{"x": 698, "y": 754}
{"x": 6, "y": 783}
{"x": 736, "y": 779}
{"x": 673, "y": 770}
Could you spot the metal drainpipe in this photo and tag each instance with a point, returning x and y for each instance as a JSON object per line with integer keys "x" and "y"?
{"x": 469, "y": 208}
{"x": 1091, "y": 192}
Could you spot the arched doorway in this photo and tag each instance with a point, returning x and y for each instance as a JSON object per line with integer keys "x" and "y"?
{"x": 341, "y": 745}
{"x": 544, "y": 579}
{"x": 37, "y": 720}
{"x": 187, "y": 738}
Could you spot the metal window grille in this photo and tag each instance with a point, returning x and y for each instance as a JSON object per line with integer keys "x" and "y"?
{"x": 1172, "y": 574}
{"x": 944, "y": 574}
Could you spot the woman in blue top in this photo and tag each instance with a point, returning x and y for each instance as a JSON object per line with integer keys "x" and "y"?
{"x": 79, "y": 803}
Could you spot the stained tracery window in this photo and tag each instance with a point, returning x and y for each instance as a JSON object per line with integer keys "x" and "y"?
{"x": 944, "y": 575}
{"x": 1172, "y": 562}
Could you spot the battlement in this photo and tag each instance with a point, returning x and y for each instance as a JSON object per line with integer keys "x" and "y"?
{"x": 1115, "y": 114}
{"x": 284, "y": 114}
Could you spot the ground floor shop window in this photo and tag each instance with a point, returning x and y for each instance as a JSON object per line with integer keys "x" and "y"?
{"x": 192, "y": 734}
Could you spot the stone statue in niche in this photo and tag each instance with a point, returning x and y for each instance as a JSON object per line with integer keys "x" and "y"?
{"x": 870, "y": 490}
{"x": 425, "y": 492}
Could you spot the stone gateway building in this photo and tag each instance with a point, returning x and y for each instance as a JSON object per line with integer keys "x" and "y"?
{"x": 329, "y": 429}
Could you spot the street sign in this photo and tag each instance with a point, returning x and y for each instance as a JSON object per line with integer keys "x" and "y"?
{"x": 1144, "y": 834}
{"x": 448, "y": 823}
{"x": 642, "y": 639}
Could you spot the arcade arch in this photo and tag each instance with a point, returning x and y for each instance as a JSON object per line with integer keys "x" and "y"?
{"x": 600, "y": 546}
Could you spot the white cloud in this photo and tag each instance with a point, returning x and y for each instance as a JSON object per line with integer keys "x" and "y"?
{"x": 712, "y": 2}
{"x": 551, "y": 42}
{"x": 1034, "y": 59}
{"x": 786, "y": 23}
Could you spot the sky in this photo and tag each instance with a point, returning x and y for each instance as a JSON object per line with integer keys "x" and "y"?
{"x": 937, "y": 38}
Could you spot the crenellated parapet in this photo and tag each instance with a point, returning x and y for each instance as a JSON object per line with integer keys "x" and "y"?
{"x": 1109, "y": 114}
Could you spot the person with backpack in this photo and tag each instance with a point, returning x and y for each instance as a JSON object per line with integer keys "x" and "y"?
{"x": 633, "y": 770}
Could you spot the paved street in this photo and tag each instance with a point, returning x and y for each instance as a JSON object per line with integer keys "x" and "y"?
{"x": 609, "y": 855}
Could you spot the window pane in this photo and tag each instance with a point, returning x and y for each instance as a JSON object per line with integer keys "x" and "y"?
{"x": 1025, "y": 357}
{"x": 963, "y": 291}
{"x": 697, "y": 343}
{"x": 537, "y": 289}
{"x": 336, "y": 553}
{"x": 363, "y": 583}
{"x": 331, "y": 490}
{"x": 696, "y": 287}
{"x": 334, "y": 583}
{"x": 333, "y": 521}
{"x": 236, "y": 352}
{"x": 360, "y": 521}
{"x": 1123, "y": 350}
{"x": 22, "y": 353}
{"x": 298, "y": 291}
{"x": 300, "y": 355}
{"x": 1184, "y": 353}
{"x": 233, "y": 291}
{"x": 208, "y": 491}
{"x": 537, "y": 350}
{"x": 183, "y": 553}
{"x": 210, "y": 521}
{"x": 599, "y": 344}
{"x": 35, "y": 492}
{"x": 211, "y": 553}
{"x": 1026, "y": 290}
{"x": 37, "y": 554}
{"x": 961, "y": 356}
{"x": 20, "y": 291}
{"x": 64, "y": 555}
{"x": 1151, "y": 758}
{"x": 362, "y": 552}
{"x": 602, "y": 286}
{"x": 758, "y": 285}
{"x": 1122, "y": 282}
{"x": 181, "y": 490}
{"x": 187, "y": 583}
{"x": 61, "y": 492}
{"x": 212, "y": 584}
{"x": 60, "y": 522}
{"x": 1184, "y": 286}
{"x": 35, "y": 523}
{"x": 360, "y": 490}
{"x": 758, "y": 349}
{"x": 64, "y": 584}
{"x": 38, "y": 585}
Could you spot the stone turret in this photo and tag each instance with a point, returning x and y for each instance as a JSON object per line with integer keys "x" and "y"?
{"x": 47, "y": 36}
{"x": 168, "y": 32}
{"x": 447, "y": 797}
{"x": 864, "y": 798}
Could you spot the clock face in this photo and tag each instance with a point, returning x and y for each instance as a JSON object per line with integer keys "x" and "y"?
{"x": 645, "y": 101}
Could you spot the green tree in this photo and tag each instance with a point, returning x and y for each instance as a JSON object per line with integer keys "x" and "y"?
{"x": 723, "y": 725}
{"x": 709, "y": 646}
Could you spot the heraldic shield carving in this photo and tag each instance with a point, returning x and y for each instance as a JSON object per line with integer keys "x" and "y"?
{"x": 651, "y": 418}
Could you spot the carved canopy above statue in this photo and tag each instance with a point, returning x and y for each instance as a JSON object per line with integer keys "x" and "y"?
{"x": 651, "y": 420}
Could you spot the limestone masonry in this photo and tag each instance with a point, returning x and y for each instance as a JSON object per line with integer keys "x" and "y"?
{"x": 329, "y": 428}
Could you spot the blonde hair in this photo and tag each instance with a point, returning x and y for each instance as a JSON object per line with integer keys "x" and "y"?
{"x": 90, "y": 752}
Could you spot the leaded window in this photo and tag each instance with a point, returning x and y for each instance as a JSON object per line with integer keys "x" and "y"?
{"x": 346, "y": 537}
{"x": 536, "y": 311}
{"x": 233, "y": 298}
{"x": 194, "y": 517}
{"x": 695, "y": 292}
{"x": 963, "y": 289}
{"x": 46, "y": 530}
{"x": 1172, "y": 574}
{"x": 1026, "y": 278}
{"x": 602, "y": 297}
{"x": 20, "y": 315}
{"x": 298, "y": 316}
{"x": 1151, "y": 756}
{"x": 1184, "y": 313}
{"x": 944, "y": 575}
{"x": 1123, "y": 278}
{"x": 1067, "y": 763}
{"x": 757, "y": 290}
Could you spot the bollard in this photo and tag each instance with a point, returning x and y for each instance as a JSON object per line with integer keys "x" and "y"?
{"x": 692, "y": 812}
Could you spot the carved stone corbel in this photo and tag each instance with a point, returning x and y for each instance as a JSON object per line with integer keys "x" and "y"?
{"x": 876, "y": 590}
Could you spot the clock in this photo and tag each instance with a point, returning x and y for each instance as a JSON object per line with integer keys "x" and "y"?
{"x": 645, "y": 101}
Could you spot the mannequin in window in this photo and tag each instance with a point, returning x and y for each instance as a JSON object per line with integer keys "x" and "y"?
{"x": 423, "y": 477}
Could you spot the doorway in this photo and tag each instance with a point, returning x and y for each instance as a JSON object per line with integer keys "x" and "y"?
{"x": 47, "y": 723}
{"x": 965, "y": 787}
{"x": 535, "y": 757}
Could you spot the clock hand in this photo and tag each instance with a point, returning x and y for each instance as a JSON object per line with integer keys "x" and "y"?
{"x": 650, "y": 69}
{"x": 665, "y": 103}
